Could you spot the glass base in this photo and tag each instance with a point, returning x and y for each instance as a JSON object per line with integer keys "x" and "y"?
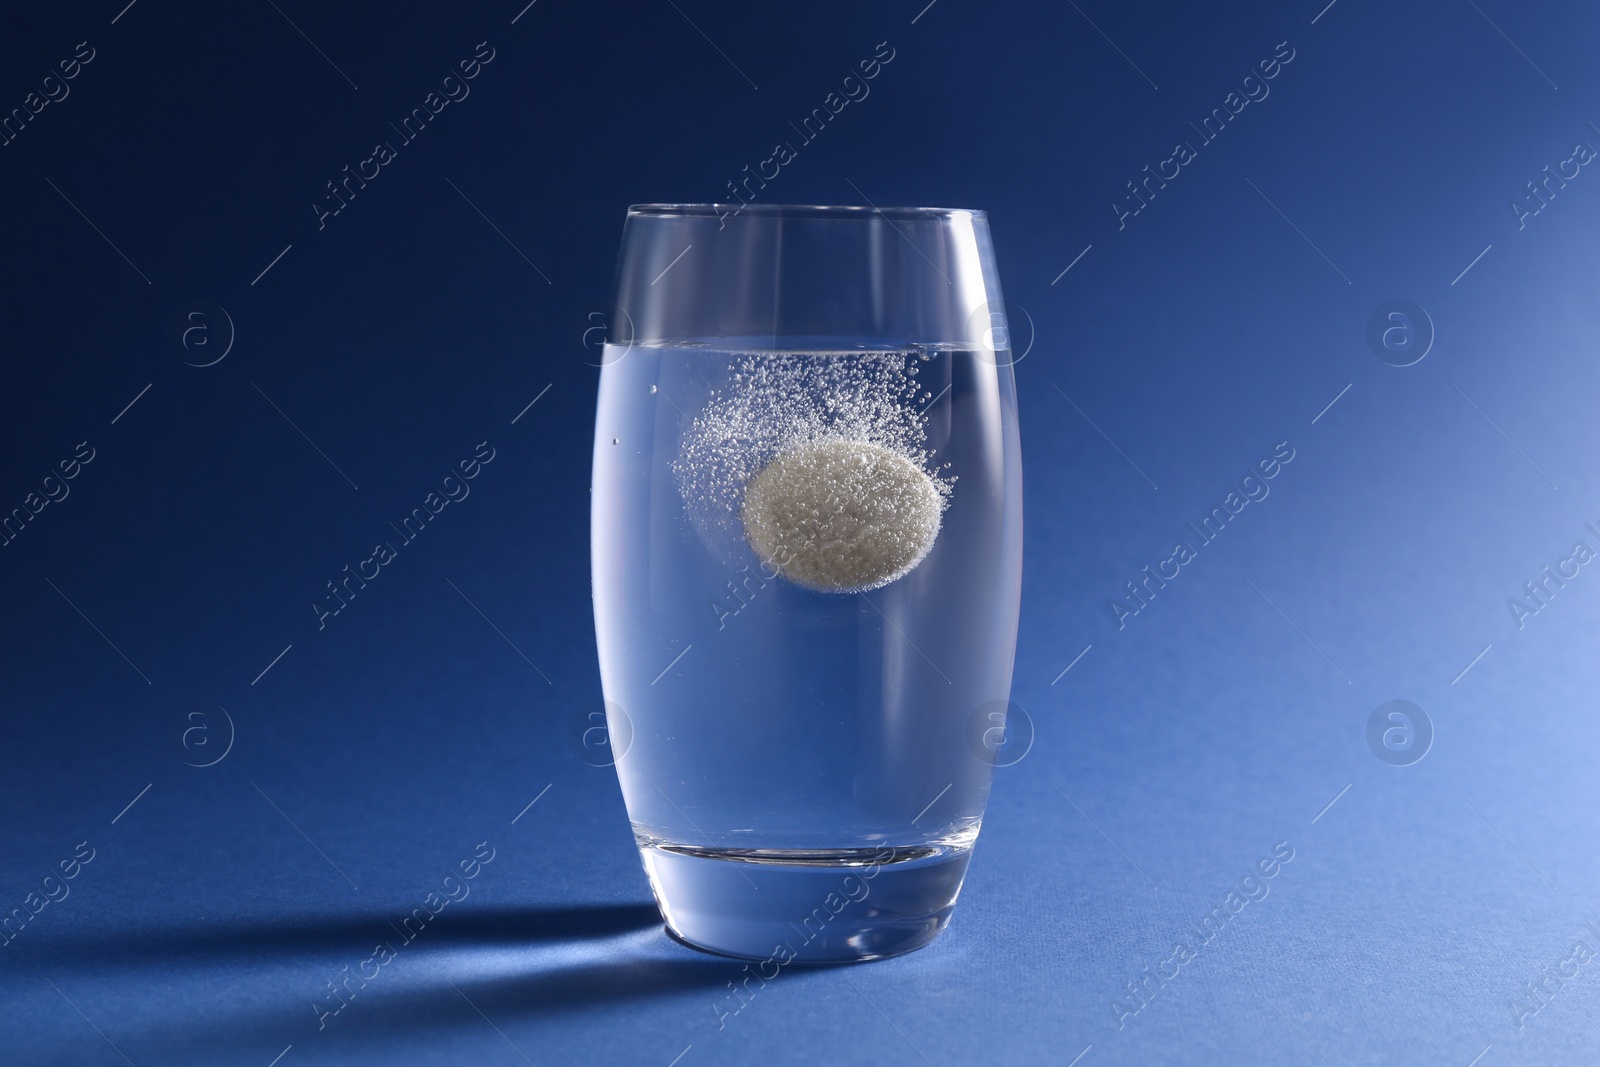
{"x": 807, "y": 906}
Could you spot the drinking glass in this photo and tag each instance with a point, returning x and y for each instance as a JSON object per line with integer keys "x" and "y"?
{"x": 807, "y": 551}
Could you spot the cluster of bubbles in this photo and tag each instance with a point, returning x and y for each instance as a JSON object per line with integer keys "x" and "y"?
{"x": 818, "y": 461}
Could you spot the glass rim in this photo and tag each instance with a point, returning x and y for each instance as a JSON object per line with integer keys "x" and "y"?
{"x": 799, "y": 211}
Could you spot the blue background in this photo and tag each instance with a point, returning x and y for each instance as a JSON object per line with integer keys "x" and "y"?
{"x": 1225, "y": 717}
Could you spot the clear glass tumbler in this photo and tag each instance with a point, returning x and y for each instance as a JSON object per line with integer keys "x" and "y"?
{"x": 807, "y": 553}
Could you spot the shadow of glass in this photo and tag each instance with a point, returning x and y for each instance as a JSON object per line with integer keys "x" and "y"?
{"x": 305, "y": 980}
{"x": 312, "y": 936}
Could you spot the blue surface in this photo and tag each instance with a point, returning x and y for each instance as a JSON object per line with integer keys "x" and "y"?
{"x": 1225, "y": 717}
